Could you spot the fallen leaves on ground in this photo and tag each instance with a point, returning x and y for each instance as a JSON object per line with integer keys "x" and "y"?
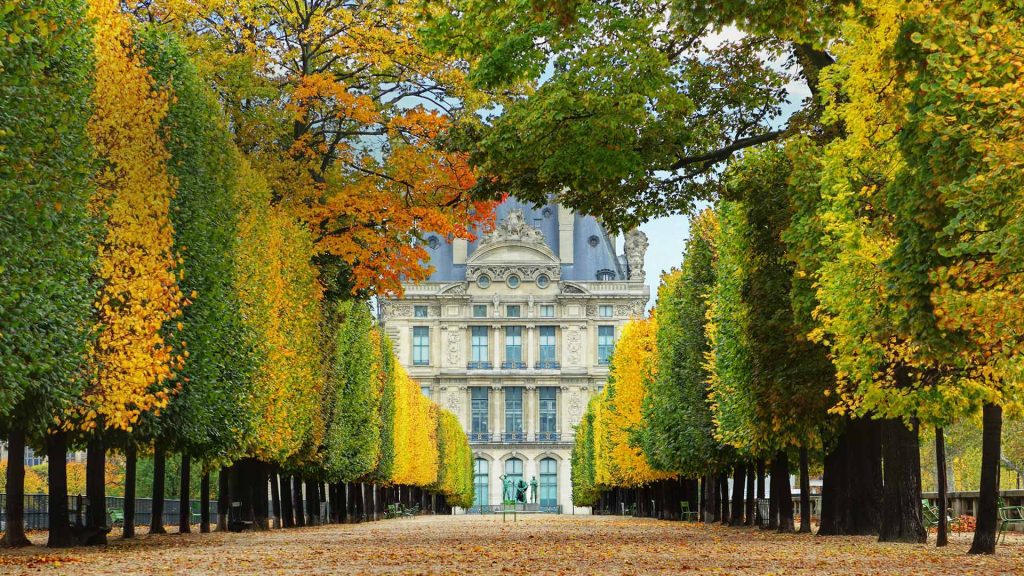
{"x": 550, "y": 545}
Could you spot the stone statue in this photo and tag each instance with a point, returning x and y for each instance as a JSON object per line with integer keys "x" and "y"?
{"x": 636, "y": 249}
{"x": 533, "y": 489}
{"x": 521, "y": 491}
{"x": 514, "y": 228}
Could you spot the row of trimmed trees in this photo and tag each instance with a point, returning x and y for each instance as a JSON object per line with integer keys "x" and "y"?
{"x": 157, "y": 297}
{"x": 790, "y": 339}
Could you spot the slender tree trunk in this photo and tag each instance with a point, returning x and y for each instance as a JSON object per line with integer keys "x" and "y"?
{"x": 96, "y": 490}
{"x": 723, "y": 497}
{"x": 287, "y": 517}
{"x": 758, "y": 520}
{"x": 312, "y": 504}
{"x": 901, "y": 501}
{"x": 204, "y": 502}
{"x": 275, "y": 496}
{"x": 184, "y": 500}
{"x": 751, "y": 479}
{"x": 708, "y": 489}
{"x": 738, "y": 483}
{"x": 300, "y": 515}
{"x": 223, "y": 497}
{"x": 805, "y": 492}
{"x": 986, "y": 531}
{"x": 14, "y": 536}
{"x": 784, "y": 494}
{"x": 131, "y": 458}
{"x": 56, "y": 455}
{"x": 260, "y": 477}
{"x": 156, "y": 522}
{"x": 942, "y": 538}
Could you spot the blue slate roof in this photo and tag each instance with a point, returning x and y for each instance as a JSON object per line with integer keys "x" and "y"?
{"x": 588, "y": 259}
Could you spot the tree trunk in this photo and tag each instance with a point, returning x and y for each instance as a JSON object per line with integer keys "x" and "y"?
{"x": 223, "y": 497}
{"x": 96, "y": 490}
{"x": 986, "y": 530}
{"x": 14, "y": 537}
{"x": 723, "y": 497}
{"x": 260, "y": 477}
{"x": 805, "y": 492}
{"x": 300, "y": 515}
{"x": 942, "y": 537}
{"x": 287, "y": 516}
{"x": 204, "y": 502}
{"x": 751, "y": 502}
{"x": 156, "y": 522}
{"x": 131, "y": 458}
{"x": 773, "y": 499}
{"x": 57, "y": 476}
{"x": 784, "y": 494}
{"x": 184, "y": 500}
{"x": 738, "y": 483}
{"x": 758, "y": 520}
{"x": 708, "y": 490}
{"x": 851, "y": 492}
{"x": 275, "y": 496}
{"x": 901, "y": 498}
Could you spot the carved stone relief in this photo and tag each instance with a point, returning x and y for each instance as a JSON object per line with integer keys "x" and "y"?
{"x": 575, "y": 407}
{"x": 454, "y": 340}
{"x": 574, "y": 344}
{"x": 455, "y": 401}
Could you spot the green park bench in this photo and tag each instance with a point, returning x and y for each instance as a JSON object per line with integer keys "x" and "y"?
{"x": 685, "y": 514}
{"x": 116, "y": 516}
{"x": 1009, "y": 516}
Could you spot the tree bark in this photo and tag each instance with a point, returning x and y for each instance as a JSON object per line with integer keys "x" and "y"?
{"x": 783, "y": 492}
{"x": 986, "y": 530}
{"x": 204, "y": 502}
{"x": 275, "y": 497}
{"x": 96, "y": 490}
{"x": 156, "y": 521}
{"x": 805, "y": 492}
{"x": 723, "y": 497}
{"x": 709, "y": 489}
{"x": 751, "y": 502}
{"x": 184, "y": 500}
{"x": 901, "y": 498}
{"x": 738, "y": 483}
{"x": 131, "y": 458}
{"x": 57, "y": 476}
{"x": 942, "y": 538}
{"x": 223, "y": 497}
{"x": 300, "y": 515}
{"x": 851, "y": 492}
{"x": 287, "y": 516}
{"x": 760, "y": 493}
{"x": 14, "y": 536}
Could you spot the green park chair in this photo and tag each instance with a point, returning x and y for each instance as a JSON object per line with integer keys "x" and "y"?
{"x": 116, "y": 516}
{"x": 685, "y": 513}
{"x": 1009, "y": 516}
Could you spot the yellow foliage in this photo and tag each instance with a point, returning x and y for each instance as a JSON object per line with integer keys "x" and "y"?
{"x": 619, "y": 414}
{"x": 415, "y": 435}
{"x": 136, "y": 263}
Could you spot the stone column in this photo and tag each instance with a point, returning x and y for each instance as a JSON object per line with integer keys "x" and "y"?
{"x": 530, "y": 412}
{"x": 498, "y": 413}
{"x": 497, "y": 347}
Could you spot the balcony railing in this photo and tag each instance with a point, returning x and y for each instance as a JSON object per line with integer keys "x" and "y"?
{"x": 549, "y": 437}
{"x": 513, "y": 365}
{"x": 513, "y": 437}
{"x": 479, "y": 366}
{"x": 519, "y": 437}
{"x": 479, "y": 436}
{"x": 547, "y": 365}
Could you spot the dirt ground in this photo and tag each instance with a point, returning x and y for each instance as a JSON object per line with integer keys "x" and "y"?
{"x": 561, "y": 545}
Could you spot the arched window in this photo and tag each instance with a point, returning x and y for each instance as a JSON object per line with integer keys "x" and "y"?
{"x": 480, "y": 482}
{"x": 548, "y": 482}
{"x": 605, "y": 275}
{"x": 514, "y": 473}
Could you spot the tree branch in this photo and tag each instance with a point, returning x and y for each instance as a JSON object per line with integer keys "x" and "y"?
{"x": 725, "y": 152}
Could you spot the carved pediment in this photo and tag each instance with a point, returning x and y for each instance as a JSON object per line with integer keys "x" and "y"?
{"x": 513, "y": 241}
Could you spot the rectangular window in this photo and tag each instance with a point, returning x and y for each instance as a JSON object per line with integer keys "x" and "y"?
{"x": 547, "y": 346}
{"x": 478, "y": 343}
{"x": 420, "y": 346}
{"x": 514, "y": 413}
{"x": 512, "y": 311}
{"x": 419, "y": 311}
{"x": 480, "y": 412}
{"x": 479, "y": 310}
{"x": 513, "y": 344}
{"x": 425, "y": 390}
{"x": 605, "y": 343}
{"x": 547, "y": 311}
{"x": 605, "y": 311}
{"x": 548, "y": 414}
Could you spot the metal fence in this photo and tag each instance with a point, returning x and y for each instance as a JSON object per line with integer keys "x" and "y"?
{"x": 498, "y": 508}
{"x": 37, "y": 510}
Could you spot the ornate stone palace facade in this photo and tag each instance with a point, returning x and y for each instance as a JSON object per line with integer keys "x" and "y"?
{"x": 513, "y": 332}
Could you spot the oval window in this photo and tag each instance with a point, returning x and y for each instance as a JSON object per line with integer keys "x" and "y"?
{"x": 483, "y": 281}
{"x": 543, "y": 281}
{"x": 513, "y": 281}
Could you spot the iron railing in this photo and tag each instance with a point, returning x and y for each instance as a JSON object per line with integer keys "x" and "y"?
{"x": 37, "y": 510}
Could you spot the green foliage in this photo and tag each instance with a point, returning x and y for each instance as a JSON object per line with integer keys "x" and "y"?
{"x": 352, "y": 441}
{"x": 582, "y": 462}
{"x": 455, "y": 462}
{"x": 386, "y": 385}
{"x": 679, "y": 431}
{"x": 208, "y": 418}
{"x": 47, "y": 233}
